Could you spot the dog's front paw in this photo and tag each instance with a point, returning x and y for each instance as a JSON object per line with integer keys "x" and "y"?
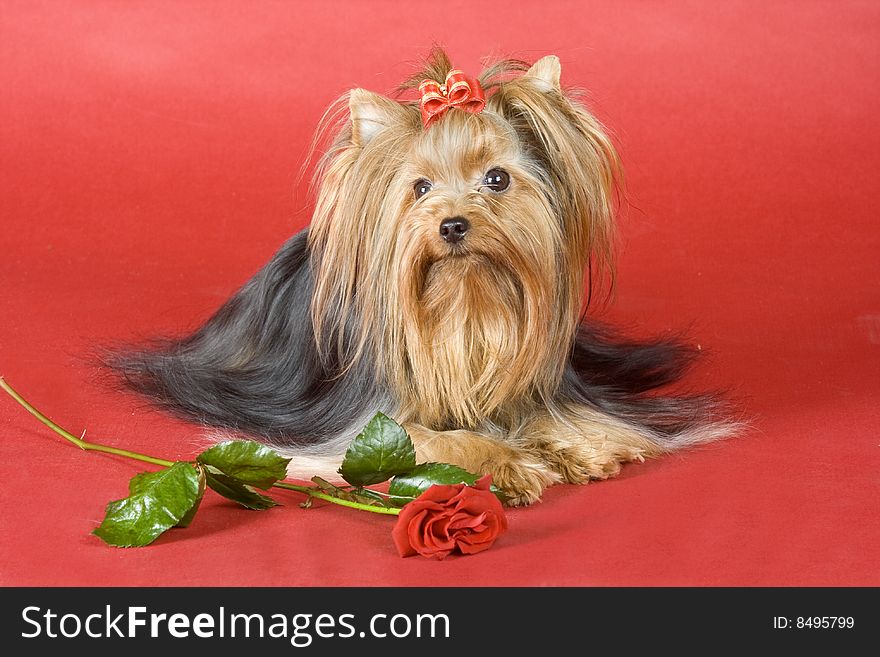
{"x": 522, "y": 480}
{"x": 580, "y": 460}
{"x": 580, "y": 463}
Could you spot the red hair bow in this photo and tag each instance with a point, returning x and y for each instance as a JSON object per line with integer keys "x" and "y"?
{"x": 457, "y": 90}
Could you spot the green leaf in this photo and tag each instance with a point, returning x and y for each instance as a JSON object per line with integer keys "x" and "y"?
{"x": 383, "y": 449}
{"x": 399, "y": 501}
{"x": 140, "y": 484}
{"x": 425, "y": 475}
{"x": 236, "y": 491}
{"x": 248, "y": 461}
{"x": 188, "y": 518}
{"x": 158, "y": 501}
{"x": 405, "y": 487}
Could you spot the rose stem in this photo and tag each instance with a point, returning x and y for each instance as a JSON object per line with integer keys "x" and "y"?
{"x": 86, "y": 445}
{"x": 335, "y": 500}
{"x": 79, "y": 442}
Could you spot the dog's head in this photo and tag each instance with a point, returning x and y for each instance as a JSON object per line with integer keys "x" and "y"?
{"x": 455, "y": 255}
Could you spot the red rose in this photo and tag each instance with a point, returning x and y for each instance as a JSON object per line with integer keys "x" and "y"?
{"x": 448, "y": 518}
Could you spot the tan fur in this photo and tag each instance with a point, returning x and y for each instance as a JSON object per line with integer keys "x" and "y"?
{"x": 472, "y": 341}
{"x": 523, "y": 475}
{"x": 584, "y": 444}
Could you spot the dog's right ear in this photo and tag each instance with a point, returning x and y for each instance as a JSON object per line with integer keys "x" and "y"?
{"x": 545, "y": 73}
{"x": 371, "y": 114}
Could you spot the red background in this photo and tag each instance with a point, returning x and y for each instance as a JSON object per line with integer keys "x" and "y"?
{"x": 149, "y": 166}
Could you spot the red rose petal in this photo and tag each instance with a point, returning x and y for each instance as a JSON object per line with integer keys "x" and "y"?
{"x": 440, "y": 494}
{"x": 400, "y": 532}
{"x": 433, "y": 533}
{"x": 448, "y": 518}
{"x": 473, "y": 548}
{"x": 466, "y": 521}
{"x": 483, "y": 483}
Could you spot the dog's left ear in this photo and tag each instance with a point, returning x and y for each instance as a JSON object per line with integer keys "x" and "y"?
{"x": 545, "y": 73}
{"x": 371, "y": 114}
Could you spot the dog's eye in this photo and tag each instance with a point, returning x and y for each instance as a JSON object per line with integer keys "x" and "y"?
{"x": 421, "y": 187}
{"x": 497, "y": 180}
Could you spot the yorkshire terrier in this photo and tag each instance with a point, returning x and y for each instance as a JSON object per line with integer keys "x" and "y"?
{"x": 456, "y": 241}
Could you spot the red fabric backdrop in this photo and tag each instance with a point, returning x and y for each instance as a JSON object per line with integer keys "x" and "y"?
{"x": 149, "y": 166}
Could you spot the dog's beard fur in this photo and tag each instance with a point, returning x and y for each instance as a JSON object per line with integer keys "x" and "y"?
{"x": 476, "y": 343}
{"x": 477, "y": 322}
{"x": 468, "y": 350}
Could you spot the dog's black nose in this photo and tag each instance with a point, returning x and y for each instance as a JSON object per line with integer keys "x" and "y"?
{"x": 453, "y": 230}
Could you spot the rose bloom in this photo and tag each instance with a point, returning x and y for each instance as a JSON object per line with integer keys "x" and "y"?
{"x": 444, "y": 519}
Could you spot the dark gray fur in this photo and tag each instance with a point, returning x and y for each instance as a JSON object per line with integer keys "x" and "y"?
{"x": 253, "y": 367}
{"x": 620, "y": 377}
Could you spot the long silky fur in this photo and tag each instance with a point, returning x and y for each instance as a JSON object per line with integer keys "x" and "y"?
{"x": 621, "y": 377}
{"x": 361, "y": 313}
{"x": 254, "y": 368}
